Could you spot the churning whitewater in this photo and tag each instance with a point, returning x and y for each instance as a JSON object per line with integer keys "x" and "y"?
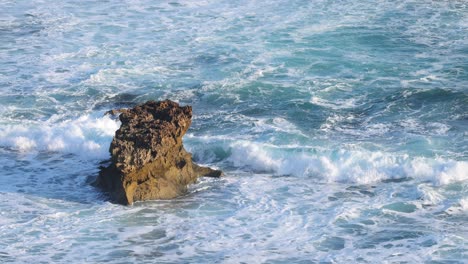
{"x": 341, "y": 126}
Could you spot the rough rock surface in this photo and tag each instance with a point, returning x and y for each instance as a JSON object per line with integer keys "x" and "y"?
{"x": 148, "y": 160}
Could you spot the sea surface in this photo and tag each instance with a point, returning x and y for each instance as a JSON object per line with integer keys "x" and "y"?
{"x": 341, "y": 126}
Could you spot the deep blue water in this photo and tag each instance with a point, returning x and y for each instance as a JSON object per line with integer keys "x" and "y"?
{"x": 342, "y": 127}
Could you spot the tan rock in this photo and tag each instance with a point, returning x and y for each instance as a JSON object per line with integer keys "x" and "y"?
{"x": 148, "y": 158}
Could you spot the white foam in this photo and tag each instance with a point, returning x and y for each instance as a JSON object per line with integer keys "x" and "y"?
{"x": 276, "y": 124}
{"x": 336, "y": 104}
{"x": 252, "y": 156}
{"x": 464, "y": 204}
{"x": 438, "y": 128}
{"x": 355, "y": 166}
{"x": 24, "y": 143}
{"x": 87, "y": 136}
{"x": 333, "y": 121}
{"x": 430, "y": 195}
{"x": 117, "y": 75}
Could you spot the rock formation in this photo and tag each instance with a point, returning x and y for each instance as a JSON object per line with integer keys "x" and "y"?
{"x": 148, "y": 160}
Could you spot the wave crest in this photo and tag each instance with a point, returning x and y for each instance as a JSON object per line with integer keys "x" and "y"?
{"x": 86, "y": 136}
{"x": 355, "y": 166}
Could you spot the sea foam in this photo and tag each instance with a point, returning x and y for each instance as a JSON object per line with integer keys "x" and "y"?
{"x": 340, "y": 165}
{"x": 86, "y": 136}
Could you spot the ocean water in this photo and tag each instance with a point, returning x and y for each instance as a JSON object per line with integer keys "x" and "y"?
{"x": 341, "y": 126}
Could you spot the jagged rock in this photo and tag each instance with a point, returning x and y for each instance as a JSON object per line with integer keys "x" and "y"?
{"x": 148, "y": 160}
{"x": 115, "y": 112}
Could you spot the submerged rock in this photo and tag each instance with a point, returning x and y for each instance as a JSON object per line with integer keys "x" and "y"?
{"x": 148, "y": 160}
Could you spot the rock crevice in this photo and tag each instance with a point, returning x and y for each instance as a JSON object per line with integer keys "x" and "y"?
{"x": 148, "y": 159}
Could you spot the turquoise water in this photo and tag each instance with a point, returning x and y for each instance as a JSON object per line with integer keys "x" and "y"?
{"x": 342, "y": 127}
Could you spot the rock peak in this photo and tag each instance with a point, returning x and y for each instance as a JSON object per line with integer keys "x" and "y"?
{"x": 148, "y": 160}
